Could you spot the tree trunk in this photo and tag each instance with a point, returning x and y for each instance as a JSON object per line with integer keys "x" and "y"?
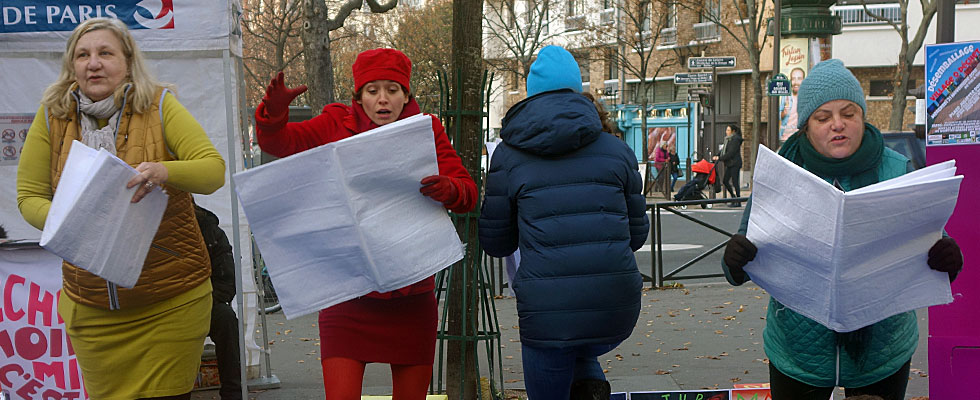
{"x": 316, "y": 44}
{"x": 901, "y": 86}
{"x": 757, "y": 113}
{"x": 466, "y": 82}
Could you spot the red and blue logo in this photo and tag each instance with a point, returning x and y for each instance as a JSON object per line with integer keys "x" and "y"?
{"x": 59, "y": 16}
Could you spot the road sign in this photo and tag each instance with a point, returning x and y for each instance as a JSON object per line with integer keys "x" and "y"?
{"x": 709, "y": 62}
{"x": 778, "y": 86}
{"x": 698, "y": 90}
{"x": 692, "y": 78}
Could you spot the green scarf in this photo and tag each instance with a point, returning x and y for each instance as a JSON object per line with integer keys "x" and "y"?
{"x": 862, "y": 166}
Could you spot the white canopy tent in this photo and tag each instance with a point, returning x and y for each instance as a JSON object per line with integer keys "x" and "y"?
{"x": 194, "y": 45}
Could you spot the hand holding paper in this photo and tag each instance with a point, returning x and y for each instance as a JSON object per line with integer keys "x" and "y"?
{"x": 946, "y": 256}
{"x": 355, "y": 226}
{"x": 848, "y": 260}
{"x": 93, "y": 222}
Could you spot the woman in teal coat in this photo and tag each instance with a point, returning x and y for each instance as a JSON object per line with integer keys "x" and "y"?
{"x": 806, "y": 359}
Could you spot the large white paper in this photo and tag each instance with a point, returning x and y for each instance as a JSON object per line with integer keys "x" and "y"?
{"x": 346, "y": 218}
{"x": 848, "y": 260}
{"x": 92, "y": 223}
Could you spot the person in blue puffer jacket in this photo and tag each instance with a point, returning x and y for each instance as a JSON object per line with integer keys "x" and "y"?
{"x": 568, "y": 196}
{"x": 806, "y": 359}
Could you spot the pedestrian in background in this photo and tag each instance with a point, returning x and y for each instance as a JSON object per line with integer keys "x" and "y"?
{"x": 806, "y": 359}
{"x": 731, "y": 158}
{"x": 675, "y": 165}
{"x": 143, "y": 342}
{"x": 224, "y": 321}
{"x": 397, "y": 327}
{"x": 569, "y": 197}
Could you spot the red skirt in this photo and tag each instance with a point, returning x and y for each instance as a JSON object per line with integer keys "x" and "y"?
{"x": 399, "y": 330}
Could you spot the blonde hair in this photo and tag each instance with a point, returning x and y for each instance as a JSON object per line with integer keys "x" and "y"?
{"x": 58, "y": 97}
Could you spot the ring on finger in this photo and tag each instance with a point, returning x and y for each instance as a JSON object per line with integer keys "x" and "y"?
{"x": 149, "y": 185}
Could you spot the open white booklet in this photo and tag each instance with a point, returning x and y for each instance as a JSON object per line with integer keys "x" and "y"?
{"x": 346, "y": 218}
{"x": 92, "y": 223}
{"x": 848, "y": 260}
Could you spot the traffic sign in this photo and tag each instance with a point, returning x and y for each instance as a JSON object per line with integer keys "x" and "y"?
{"x": 778, "y": 86}
{"x": 710, "y": 62}
{"x": 692, "y": 78}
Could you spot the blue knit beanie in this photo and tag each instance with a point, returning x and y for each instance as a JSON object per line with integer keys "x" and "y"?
{"x": 554, "y": 69}
{"x": 828, "y": 80}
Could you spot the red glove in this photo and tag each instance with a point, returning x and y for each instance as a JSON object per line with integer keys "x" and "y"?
{"x": 440, "y": 188}
{"x": 278, "y": 96}
{"x": 945, "y": 256}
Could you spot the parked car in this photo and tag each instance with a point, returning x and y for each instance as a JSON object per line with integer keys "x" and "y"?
{"x": 909, "y": 145}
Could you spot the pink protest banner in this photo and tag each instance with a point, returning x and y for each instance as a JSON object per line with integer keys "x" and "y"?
{"x": 36, "y": 357}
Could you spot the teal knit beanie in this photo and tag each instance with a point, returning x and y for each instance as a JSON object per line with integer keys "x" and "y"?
{"x": 554, "y": 69}
{"x": 828, "y": 80}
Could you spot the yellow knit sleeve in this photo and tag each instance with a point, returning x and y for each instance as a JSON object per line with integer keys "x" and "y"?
{"x": 34, "y": 173}
{"x": 199, "y": 167}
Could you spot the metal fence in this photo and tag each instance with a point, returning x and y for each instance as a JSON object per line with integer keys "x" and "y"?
{"x": 657, "y": 268}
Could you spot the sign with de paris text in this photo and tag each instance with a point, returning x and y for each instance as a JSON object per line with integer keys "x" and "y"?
{"x": 711, "y": 62}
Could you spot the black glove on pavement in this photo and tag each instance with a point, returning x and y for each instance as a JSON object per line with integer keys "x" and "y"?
{"x": 944, "y": 256}
{"x": 738, "y": 252}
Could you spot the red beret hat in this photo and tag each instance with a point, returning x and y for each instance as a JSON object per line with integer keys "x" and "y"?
{"x": 388, "y": 64}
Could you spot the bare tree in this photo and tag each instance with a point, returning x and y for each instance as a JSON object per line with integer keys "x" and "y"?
{"x": 906, "y": 55}
{"x": 642, "y": 22}
{"x": 317, "y": 26}
{"x": 425, "y": 36}
{"x": 515, "y": 31}
{"x": 748, "y": 34}
{"x": 271, "y": 43}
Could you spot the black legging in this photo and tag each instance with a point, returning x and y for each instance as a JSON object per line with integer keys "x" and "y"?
{"x": 731, "y": 182}
{"x": 783, "y": 387}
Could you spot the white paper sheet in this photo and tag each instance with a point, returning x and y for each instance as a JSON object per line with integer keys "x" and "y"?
{"x": 92, "y": 223}
{"x": 346, "y": 218}
{"x": 848, "y": 260}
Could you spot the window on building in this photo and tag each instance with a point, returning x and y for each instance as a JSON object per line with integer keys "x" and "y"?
{"x": 671, "y": 22}
{"x": 575, "y": 7}
{"x": 515, "y": 81}
{"x": 645, "y": 15}
{"x": 884, "y": 87}
{"x": 607, "y": 4}
{"x": 711, "y": 11}
{"x": 612, "y": 64}
{"x": 583, "y": 65}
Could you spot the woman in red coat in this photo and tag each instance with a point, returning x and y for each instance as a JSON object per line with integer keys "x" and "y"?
{"x": 398, "y": 327}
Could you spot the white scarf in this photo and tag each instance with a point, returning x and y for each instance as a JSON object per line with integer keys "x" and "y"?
{"x": 91, "y": 112}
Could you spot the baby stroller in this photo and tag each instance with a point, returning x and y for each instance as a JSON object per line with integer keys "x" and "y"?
{"x": 704, "y": 175}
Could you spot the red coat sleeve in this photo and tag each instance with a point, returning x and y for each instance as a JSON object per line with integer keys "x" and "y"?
{"x": 452, "y": 166}
{"x": 280, "y": 138}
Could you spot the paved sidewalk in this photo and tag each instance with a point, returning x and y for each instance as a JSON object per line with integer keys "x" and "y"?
{"x": 699, "y": 336}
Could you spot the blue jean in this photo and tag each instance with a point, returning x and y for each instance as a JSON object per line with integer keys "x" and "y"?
{"x": 549, "y": 372}
{"x": 673, "y": 180}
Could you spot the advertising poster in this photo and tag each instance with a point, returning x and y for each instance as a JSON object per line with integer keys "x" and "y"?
{"x": 660, "y": 136}
{"x": 723, "y": 394}
{"x": 13, "y": 132}
{"x": 37, "y": 359}
{"x": 952, "y": 94}
{"x": 794, "y": 63}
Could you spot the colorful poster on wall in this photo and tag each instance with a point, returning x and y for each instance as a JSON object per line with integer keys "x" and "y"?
{"x": 794, "y": 63}
{"x": 38, "y": 361}
{"x": 660, "y": 136}
{"x": 13, "y": 133}
{"x": 952, "y": 94}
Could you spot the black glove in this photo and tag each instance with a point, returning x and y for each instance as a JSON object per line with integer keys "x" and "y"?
{"x": 945, "y": 256}
{"x": 738, "y": 252}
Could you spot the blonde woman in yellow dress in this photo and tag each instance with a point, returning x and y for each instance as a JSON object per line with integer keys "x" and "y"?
{"x": 144, "y": 342}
